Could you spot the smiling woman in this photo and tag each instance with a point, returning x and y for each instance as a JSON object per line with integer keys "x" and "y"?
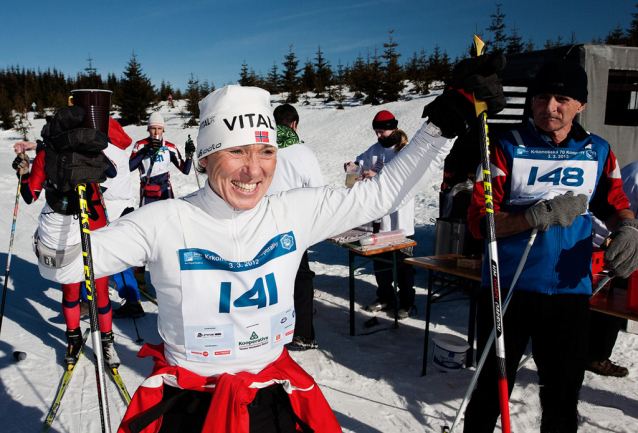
{"x": 223, "y": 261}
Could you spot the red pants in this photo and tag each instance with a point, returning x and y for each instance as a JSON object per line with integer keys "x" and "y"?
{"x": 71, "y": 304}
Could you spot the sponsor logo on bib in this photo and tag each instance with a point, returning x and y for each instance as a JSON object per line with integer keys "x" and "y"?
{"x": 254, "y": 342}
{"x": 287, "y": 242}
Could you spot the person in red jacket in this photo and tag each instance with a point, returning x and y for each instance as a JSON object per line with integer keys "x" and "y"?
{"x": 32, "y": 185}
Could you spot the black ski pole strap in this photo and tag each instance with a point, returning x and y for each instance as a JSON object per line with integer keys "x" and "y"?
{"x": 156, "y": 411}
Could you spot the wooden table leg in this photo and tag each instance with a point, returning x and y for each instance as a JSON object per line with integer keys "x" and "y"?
{"x": 395, "y": 282}
{"x": 351, "y": 262}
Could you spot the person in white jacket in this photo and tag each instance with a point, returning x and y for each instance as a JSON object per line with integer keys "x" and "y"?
{"x": 223, "y": 261}
{"x": 297, "y": 167}
{"x": 391, "y": 141}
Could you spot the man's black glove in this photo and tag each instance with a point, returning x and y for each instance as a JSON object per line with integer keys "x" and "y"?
{"x": 562, "y": 210}
{"x": 189, "y": 147}
{"x": 622, "y": 254}
{"x": 453, "y": 111}
{"x": 74, "y": 155}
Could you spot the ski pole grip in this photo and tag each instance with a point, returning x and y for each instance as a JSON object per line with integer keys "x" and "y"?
{"x": 479, "y": 49}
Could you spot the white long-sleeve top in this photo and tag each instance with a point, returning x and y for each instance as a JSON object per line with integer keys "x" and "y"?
{"x": 154, "y": 234}
{"x": 119, "y": 194}
{"x": 297, "y": 167}
{"x": 402, "y": 218}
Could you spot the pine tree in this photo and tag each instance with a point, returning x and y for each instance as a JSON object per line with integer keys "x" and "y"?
{"x": 572, "y": 39}
{"x": 137, "y": 94}
{"x": 308, "y": 77}
{"x": 392, "y": 82}
{"x": 498, "y": 30}
{"x": 617, "y": 37}
{"x": 246, "y": 76}
{"x": 193, "y": 96}
{"x": 357, "y": 77}
{"x": 439, "y": 64}
{"x": 90, "y": 79}
{"x": 514, "y": 42}
{"x": 290, "y": 79}
{"x": 273, "y": 81}
{"x": 374, "y": 77}
{"x": 339, "y": 94}
{"x": 23, "y": 125}
{"x": 632, "y": 32}
{"x": 529, "y": 46}
{"x": 323, "y": 73}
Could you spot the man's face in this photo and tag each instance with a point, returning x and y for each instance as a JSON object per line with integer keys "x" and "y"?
{"x": 554, "y": 112}
{"x": 156, "y": 131}
{"x": 241, "y": 175}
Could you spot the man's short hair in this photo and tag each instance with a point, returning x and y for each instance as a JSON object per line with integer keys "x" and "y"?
{"x": 285, "y": 114}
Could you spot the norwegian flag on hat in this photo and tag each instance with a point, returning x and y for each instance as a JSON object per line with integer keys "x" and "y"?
{"x": 262, "y": 137}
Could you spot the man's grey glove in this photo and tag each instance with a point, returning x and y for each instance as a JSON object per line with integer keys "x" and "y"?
{"x": 622, "y": 254}
{"x": 562, "y": 210}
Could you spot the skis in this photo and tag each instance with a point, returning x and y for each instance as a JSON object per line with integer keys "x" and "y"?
{"x": 152, "y": 299}
{"x": 62, "y": 388}
{"x": 115, "y": 375}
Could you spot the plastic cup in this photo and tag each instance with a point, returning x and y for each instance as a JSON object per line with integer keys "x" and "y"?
{"x": 97, "y": 104}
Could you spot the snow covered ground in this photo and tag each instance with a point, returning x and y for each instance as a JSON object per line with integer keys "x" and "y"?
{"x": 372, "y": 382}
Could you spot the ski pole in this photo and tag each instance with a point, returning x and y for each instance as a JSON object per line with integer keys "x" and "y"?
{"x": 490, "y": 340}
{"x": 196, "y": 174}
{"x": 503, "y": 395}
{"x": 89, "y": 280}
{"x": 13, "y": 229}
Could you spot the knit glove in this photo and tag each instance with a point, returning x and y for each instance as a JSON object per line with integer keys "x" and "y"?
{"x": 453, "y": 111}
{"x": 562, "y": 210}
{"x": 622, "y": 254}
{"x": 189, "y": 147}
{"x": 21, "y": 164}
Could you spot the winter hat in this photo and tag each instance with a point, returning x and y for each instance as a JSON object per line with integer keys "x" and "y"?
{"x": 156, "y": 119}
{"x": 235, "y": 116}
{"x": 561, "y": 77}
{"x": 117, "y": 136}
{"x": 384, "y": 120}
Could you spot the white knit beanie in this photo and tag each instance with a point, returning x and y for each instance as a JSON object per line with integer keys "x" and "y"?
{"x": 156, "y": 119}
{"x": 235, "y": 116}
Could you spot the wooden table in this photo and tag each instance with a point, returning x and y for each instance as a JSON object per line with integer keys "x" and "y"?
{"x": 447, "y": 264}
{"x": 349, "y": 241}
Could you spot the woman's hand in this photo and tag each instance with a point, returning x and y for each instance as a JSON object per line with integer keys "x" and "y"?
{"x": 367, "y": 174}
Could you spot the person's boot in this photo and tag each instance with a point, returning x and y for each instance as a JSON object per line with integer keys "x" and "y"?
{"x": 74, "y": 338}
{"x": 607, "y": 368}
{"x": 129, "y": 309}
{"x": 108, "y": 350}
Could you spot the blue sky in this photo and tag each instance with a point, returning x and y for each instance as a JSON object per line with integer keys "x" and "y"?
{"x": 211, "y": 39}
